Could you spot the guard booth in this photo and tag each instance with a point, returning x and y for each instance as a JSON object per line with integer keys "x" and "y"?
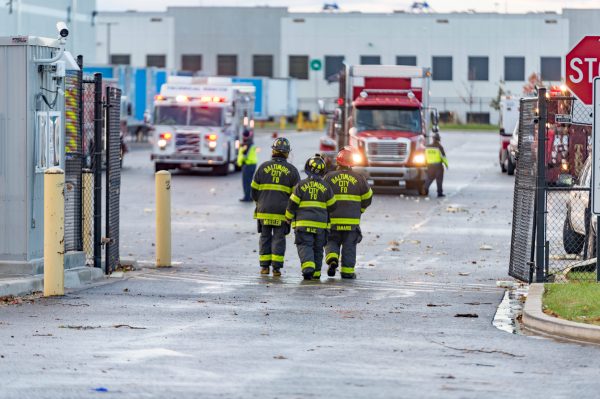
{"x": 33, "y": 73}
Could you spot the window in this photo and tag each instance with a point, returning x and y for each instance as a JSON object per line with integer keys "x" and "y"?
{"x": 442, "y": 68}
{"x": 551, "y": 69}
{"x": 514, "y": 69}
{"x": 191, "y": 62}
{"x": 226, "y": 65}
{"x": 262, "y": 65}
{"x": 170, "y": 115}
{"x": 120, "y": 59}
{"x": 478, "y": 68}
{"x": 156, "y": 60}
{"x": 298, "y": 66}
{"x": 333, "y": 65}
{"x": 398, "y": 119}
{"x": 370, "y": 60}
{"x": 206, "y": 116}
{"x": 406, "y": 60}
{"x": 478, "y": 117}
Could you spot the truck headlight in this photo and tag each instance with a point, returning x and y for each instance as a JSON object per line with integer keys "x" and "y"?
{"x": 357, "y": 158}
{"x": 162, "y": 144}
{"x": 419, "y": 159}
{"x": 212, "y": 145}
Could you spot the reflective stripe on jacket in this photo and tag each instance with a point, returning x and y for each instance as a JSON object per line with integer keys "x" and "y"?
{"x": 271, "y": 188}
{"x": 310, "y": 205}
{"x": 353, "y": 195}
{"x": 247, "y": 155}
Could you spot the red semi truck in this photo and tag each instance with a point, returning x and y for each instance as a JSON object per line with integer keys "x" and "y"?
{"x": 383, "y": 112}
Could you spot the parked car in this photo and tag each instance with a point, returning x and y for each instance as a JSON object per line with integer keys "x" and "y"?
{"x": 578, "y": 219}
{"x": 508, "y": 156}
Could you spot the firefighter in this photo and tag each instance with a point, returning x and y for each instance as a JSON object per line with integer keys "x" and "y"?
{"x": 353, "y": 195}
{"x": 309, "y": 207}
{"x": 271, "y": 189}
{"x": 247, "y": 161}
{"x": 436, "y": 160}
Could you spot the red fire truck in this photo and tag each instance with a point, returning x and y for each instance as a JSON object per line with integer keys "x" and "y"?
{"x": 383, "y": 112}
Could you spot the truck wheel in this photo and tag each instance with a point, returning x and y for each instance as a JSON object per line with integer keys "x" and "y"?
{"x": 222, "y": 170}
{"x": 502, "y": 163}
{"x": 572, "y": 241}
{"x": 510, "y": 168}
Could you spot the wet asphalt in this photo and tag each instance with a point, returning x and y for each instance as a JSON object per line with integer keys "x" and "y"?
{"x": 211, "y": 327}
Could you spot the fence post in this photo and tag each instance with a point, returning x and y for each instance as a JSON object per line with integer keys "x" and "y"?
{"x": 54, "y": 232}
{"x": 540, "y": 198}
{"x": 97, "y": 166}
{"x": 163, "y": 218}
{"x": 87, "y": 201}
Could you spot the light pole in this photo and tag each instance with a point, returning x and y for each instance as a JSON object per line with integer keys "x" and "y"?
{"x": 108, "y": 25}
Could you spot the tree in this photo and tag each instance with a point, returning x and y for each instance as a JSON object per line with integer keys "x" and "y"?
{"x": 533, "y": 82}
{"x": 495, "y": 103}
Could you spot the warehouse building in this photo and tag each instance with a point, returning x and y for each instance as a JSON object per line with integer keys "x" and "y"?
{"x": 471, "y": 55}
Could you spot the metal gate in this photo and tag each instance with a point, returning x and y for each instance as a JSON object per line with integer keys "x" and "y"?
{"x": 523, "y": 225}
{"x": 553, "y": 235}
{"x": 73, "y": 162}
{"x": 113, "y": 176}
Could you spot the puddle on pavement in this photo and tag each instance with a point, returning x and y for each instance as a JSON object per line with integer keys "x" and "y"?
{"x": 510, "y": 310}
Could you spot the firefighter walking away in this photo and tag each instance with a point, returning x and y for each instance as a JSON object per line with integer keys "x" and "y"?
{"x": 353, "y": 195}
{"x": 271, "y": 189}
{"x": 247, "y": 161}
{"x": 436, "y": 160}
{"x": 309, "y": 209}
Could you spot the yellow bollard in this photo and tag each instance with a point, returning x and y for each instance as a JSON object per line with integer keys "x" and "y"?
{"x": 300, "y": 121}
{"x": 54, "y": 232}
{"x": 88, "y": 213}
{"x": 282, "y": 122}
{"x": 163, "y": 219}
{"x": 321, "y": 122}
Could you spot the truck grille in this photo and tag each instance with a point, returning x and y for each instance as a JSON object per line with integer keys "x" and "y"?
{"x": 187, "y": 143}
{"x": 388, "y": 151}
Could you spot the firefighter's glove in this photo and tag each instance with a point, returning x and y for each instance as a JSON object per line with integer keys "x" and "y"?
{"x": 287, "y": 228}
{"x": 259, "y": 226}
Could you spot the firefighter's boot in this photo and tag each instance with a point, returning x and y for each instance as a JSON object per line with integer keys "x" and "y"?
{"x": 264, "y": 270}
{"x": 276, "y": 272}
{"x": 332, "y": 268}
{"x": 307, "y": 273}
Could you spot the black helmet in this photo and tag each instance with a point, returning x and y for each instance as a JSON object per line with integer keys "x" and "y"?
{"x": 437, "y": 137}
{"x": 246, "y": 136}
{"x": 281, "y": 145}
{"x": 315, "y": 166}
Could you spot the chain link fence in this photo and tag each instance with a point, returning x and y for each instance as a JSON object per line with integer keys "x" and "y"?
{"x": 88, "y": 150}
{"x": 113, "y": 176}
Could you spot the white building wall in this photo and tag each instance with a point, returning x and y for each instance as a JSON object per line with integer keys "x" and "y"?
{"x": 39, "y": 18}
{"x": 137, "y": 34}
{"x": 389, "y": 35}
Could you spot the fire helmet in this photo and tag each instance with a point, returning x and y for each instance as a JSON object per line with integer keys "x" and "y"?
{"x": 281, "y": 145}
{"x": 345, "y": 157}
{"x": 315, "y": 166}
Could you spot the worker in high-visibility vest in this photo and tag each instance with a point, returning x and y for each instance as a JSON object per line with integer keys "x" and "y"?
{"x": 247, "y": 160}
{"x": 436, "y": 160}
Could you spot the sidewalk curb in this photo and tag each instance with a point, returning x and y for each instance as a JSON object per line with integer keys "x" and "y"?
{"x": 74, "y": 278}
{"x": 535, "y": 320}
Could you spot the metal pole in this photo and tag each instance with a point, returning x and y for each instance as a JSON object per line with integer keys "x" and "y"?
{"x": 540, "y": 275}
{"x": 108, "y": 43}
{"x": 80, "y": 139}
{"x": 597, "y": 248}
{"x": 163, "y": 218}
{"x": 54, "y": 232}
{"x": 97, "y": 167}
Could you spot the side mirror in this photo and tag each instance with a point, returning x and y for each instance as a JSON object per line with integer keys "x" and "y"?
{"x": 228, "y": 118}
{"x": 321, "y": 106}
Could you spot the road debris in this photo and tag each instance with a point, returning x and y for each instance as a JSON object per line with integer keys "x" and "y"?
{"x": 470, "y": 315}
{"x": 485, "y": 247}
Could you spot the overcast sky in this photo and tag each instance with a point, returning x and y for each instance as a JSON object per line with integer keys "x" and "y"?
{"x": 512, "y": 6}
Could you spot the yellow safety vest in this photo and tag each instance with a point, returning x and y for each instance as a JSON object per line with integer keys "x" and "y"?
{"x": 249, "y": 158}
{"x": 434, "y": 156}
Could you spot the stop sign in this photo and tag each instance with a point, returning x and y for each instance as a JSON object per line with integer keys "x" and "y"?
{"x": 583, "y": 64}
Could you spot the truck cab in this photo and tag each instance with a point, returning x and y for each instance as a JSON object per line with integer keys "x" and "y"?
{"x": 384, "y": 115}
{"x": 199, "y": 124}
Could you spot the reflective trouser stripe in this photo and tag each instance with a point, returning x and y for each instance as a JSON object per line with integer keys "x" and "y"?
{"x": 317, "y": 274}
{"x": 273, "y": 187}
{"x": 330, "y": 256}
{"x": 345, "y": 221}
{"x": 277, "y": 258}
{"x": 308, "y": 264}
{"x": 347, "y": 197}
{"x": 265, "y": 258}
{"x": 348, "y": 270}
{"x": 310, "y": 223}
{"x": 270, "y": 216}
{"x": 313, "y": 204}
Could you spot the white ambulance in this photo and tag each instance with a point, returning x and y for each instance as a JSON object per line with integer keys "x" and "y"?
{"x": 199, "y": 122}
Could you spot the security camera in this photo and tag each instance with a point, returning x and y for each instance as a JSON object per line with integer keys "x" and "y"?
{"x": 62, "y": 29}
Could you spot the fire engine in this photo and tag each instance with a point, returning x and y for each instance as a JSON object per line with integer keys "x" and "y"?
{"x": 198, "y": 123}
{"x": 383, "y": 112}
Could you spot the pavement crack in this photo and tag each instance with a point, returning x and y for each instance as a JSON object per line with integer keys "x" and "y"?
{"x": 470, "y": 350}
